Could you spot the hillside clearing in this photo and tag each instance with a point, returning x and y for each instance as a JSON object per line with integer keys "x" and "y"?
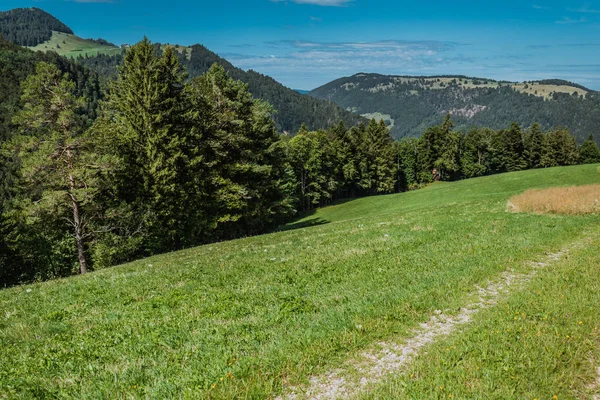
{"x": 73, "y": 46}
{"x": 240, "y": 318}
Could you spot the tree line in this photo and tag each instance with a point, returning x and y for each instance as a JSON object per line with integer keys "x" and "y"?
{"x": 169, "y": 162}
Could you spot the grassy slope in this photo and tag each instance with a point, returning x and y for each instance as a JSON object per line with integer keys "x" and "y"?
{"x": 74, "y": 46}
{"x": 539, "y": 343}
{"x": 279, "y": 307}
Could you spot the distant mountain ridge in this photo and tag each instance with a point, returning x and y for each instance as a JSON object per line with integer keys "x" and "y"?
{"x": 410, "y": 104}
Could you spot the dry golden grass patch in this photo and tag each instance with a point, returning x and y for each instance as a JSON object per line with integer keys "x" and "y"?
{"x": 571, "y": 200}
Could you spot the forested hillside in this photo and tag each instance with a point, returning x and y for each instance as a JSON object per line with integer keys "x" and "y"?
{"x": 29, "y": 26}
{"x": 292, "y": 108}
{"x": 410, "y": 104}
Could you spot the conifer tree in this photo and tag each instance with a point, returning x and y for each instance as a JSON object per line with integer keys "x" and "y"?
{"x": 56, "y": 167}
{"x": 534, "y": 141}
{"x": 144, "y": 115}
{"x": 559, "y": 149}
{"x": 508, "y": 150}
{"x": 589, "y": 152}
{"x": 407, "y": 163}
{"x": 474, "y": 158}
{"x": 242, "y": 168}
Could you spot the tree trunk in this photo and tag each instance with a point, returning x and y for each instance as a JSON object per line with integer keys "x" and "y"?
{"x": 77, "y": 222}
{"x": 78, "y": 234}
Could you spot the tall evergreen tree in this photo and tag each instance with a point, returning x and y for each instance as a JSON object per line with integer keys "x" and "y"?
{"x": 475, "y": 154}
{"x": 508, "y": 150}
{"x": 56, "y": 167}
{"x": 407, "y": 163}
{"x": 144, "y": 114}
{"x": 589, "y": 152}
{"x": 243, "y": 170}
{"x": 534, "y": 142}
{"x": 559, "y": 149}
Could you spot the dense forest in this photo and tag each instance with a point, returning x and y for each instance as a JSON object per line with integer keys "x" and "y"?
{"x": 411, "y": 104}
{"x": 29, "y": 26}
{"x": 165, "y": 162}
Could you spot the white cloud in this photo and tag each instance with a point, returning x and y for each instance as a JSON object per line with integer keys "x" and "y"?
{"x": 584, "y": 9}
{"x": 326, "y": 3}
{"x": 347, "y": 57}
{"x": 567, "y": 20}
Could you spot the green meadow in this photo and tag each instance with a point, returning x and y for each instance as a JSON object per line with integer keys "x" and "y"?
{"x": 244, "y": 318}
{"x": 73, "y": 46}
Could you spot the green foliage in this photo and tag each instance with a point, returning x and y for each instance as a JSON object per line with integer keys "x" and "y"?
{"x": 589, "y": 152}
{"x": 237, "y": 145}
{"x": 509, "y": 150}
{"x": 57, "y": 172}
{"x": 534, "y": 142}
{"x": 143, "y": 115}
{"x": 374, "y": 158}
{"x": 475, "y": 159}
{"x": 311, "y": 161}
{"x": 559, "y": 148}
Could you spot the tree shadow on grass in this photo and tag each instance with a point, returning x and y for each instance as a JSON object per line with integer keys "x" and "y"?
{"x": 303, "y": 222}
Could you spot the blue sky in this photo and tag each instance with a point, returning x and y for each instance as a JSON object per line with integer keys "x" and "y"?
{"x": 306, "y": 43}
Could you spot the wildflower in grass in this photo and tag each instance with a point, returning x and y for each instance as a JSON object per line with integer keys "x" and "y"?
{"x": 555, "y": 397}
{"x": 214, "y": 385}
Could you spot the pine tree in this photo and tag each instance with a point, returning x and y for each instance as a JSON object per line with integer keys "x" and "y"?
{"x": 407, "y": 163}
{"x": 239, "y": 142}
{"x": 589, "y": 152}
{"x": 474, "y": 157}
{"x": 559, "y": 149}
{"x": 440, "y": 148}
{"x": 508, "y": 150}
{"x": 56, "y": 165}
{"x": 144, "y": 115}
{"x": 534, "y": 141}
{"x": 311, "y": 163}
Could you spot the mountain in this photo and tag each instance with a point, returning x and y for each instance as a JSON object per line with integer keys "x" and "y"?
{"x": 39, "y": 30}
{"x": 410, "y": 104}
{"x": 29, "y": 26}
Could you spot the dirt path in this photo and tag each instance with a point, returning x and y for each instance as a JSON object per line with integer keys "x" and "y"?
{"x": 596, "y": 387}
{"x": 383, "y": 358}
